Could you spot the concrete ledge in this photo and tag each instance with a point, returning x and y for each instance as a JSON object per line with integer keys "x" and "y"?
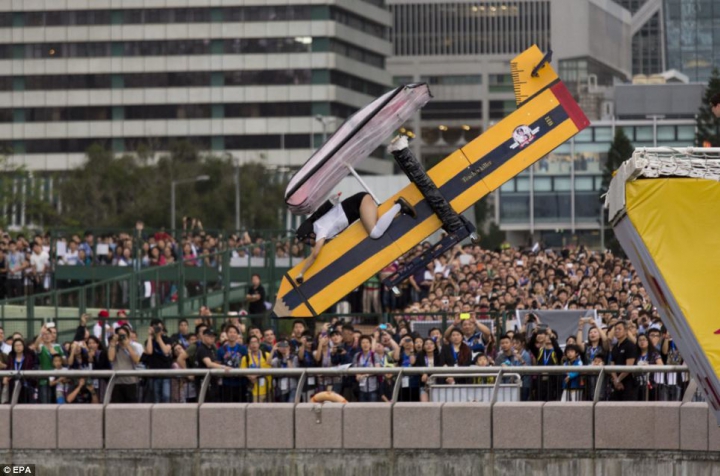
{"x": 271, "y": 425}
{"x": 517, "y": 425}
{"x": 417, "y": 425}
{"x": 567, "y": 425}
{"x": 713, "y": 431}
{"x": 694, "y": 426}
{"x": 367, "y": 426}
{"x": 34, "y": 426}
{"x": 5, "y": 427}
{"x": 174, "y": 426}
{"x": 222, "y": 425}
{"x": 318, "y": 426}
{"x": 467, "y": 426}
{"x": 127, "y": 425}
{"x": 80, "y": 426}
{"x": 637, "y": 425}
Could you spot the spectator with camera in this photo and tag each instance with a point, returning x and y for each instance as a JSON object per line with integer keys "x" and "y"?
{"x": 46, "y": 348}
{"x": 368, "y": 385}
{"x": 124, "y": 354}
{"x": 475, "y": 334}
{"x": 81, "y": 391}
{"x": 597, "y": 340}
{"x": 284, "y": 358}
{"x": 550, "y": 354}
{"x": 158, "y": 355}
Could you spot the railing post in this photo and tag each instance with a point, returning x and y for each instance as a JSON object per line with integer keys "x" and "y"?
{"x": 132, "y": 293}
{"x": 30, "y": 315}
{"x": 398, "y": 385}
{"x": 203, "y": 388}
{"x": 181, "y": 286}
{"x": 82, "y": 299}
{"x": 109, "y": 391}
{"x": 599, "y": 385}
{"x": 225, "y": 257}
{"x": 301, "y": 383}
{"x": 271, "y": 266}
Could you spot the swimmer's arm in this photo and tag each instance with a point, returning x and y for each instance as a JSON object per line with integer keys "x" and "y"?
{"x": 310, "y": 259}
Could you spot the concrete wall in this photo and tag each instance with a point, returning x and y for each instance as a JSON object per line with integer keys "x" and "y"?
{"x": 531, "y": 426}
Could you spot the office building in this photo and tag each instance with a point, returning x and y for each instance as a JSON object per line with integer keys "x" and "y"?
{"x": 245, "y": 77}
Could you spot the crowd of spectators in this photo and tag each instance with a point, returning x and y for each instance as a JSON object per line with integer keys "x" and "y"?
{"x": 232, "y": 343}
{"x": 27, "y": 263}
{"x": 469, "y": 280}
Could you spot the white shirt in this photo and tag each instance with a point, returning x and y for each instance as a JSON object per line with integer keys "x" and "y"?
{"x": 71, "y": 258}
{"x": 39, "y": 261}
{"x": 331, "y": 224}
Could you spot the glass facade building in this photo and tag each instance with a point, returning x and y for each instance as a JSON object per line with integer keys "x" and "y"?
{"x": 692, "y": 37}
{"x": 557, "y": 200}
{"x": 647, "y": 43}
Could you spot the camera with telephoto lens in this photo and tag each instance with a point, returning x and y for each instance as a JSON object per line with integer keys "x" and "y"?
{"x": 122, "y": 337}
{"x": 157, "y": 329}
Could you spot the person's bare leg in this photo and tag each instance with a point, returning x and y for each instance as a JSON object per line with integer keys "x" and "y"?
{"x": 368, "y": 213}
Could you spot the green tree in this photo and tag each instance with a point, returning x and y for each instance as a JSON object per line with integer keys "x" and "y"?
{"x": 109, "y": 191}
{"x": 708, "y": 126}
{"x": 621, "y": 150}
{"x": 491, "y": 236}
{"x": 22, "y": 188}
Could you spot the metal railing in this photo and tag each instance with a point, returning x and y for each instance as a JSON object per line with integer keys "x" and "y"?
{"x": 171, "y": 289}
{"x": 303, "y": 373}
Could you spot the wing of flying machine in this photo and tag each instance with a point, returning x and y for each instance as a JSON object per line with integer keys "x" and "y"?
{"x": 354, "y": 140}
{"x": 547, "y": 116}
{"x": 663, "y": 206}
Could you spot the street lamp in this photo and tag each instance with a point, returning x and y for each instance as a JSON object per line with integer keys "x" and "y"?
{"x": 324, "y": 120}
{"x": 199, "y": 178}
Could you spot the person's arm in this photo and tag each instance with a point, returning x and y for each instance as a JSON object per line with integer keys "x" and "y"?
{"x": 112, "y": 349}
{"x": 579, "y": 336}
{"x": 482, "y": 328}
{"x": 452, "y": 326}
{"x": 71, "y": 357}
{"x": 322, "y": 347}
{"x": 131, "y": 352}
{"x": 213, "y": 365}
{"x": 603, "y": 338}
{"x": 310, "y": 259}
{"x": 625, "y": 374}
{"x": 665, "y": 348}
{"x": 149, "y": 345}
{"x": 164, "y": 347}
{"x": 395, "y": 349}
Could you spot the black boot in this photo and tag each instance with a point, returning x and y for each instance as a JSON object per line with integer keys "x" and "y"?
{"x": 406, "y": 208}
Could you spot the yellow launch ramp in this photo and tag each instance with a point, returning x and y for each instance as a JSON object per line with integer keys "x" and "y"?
{"x": 547, "y": 117}
{"x": 664, "y": 205}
